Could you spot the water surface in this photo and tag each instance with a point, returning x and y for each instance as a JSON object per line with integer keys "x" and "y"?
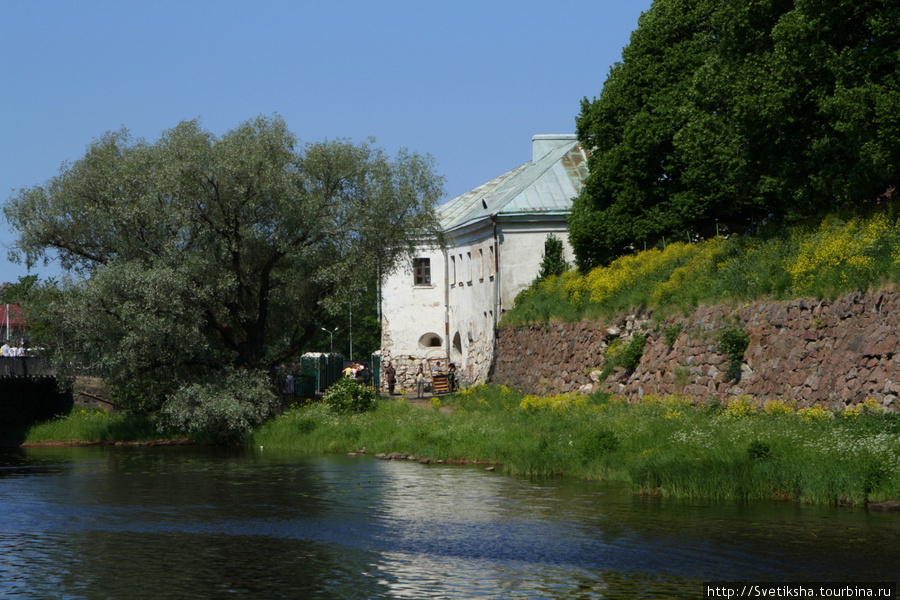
{"x": 184, "y": 522}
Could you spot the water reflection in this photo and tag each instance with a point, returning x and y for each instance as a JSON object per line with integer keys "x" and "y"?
{"x": 204, "y": 523}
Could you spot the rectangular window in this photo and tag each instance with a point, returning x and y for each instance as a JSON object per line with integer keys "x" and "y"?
{"x": 453, "y": 273}
{"x": 481, "y": 264}
{"x": 469, "y": 267}
{"x": 422, "y": 270}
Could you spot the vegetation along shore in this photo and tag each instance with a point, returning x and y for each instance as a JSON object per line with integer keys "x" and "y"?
{"x": 660, "y": 446}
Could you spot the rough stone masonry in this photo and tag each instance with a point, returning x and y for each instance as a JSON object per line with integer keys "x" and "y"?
{"x": 833, "y": 353}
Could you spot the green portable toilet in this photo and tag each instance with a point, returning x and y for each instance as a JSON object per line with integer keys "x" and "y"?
{"x": 318, "y": 370}
{"x": 333, "y": 370}
{"x": 310, "y": 368}
{"x": 376, "y": 369}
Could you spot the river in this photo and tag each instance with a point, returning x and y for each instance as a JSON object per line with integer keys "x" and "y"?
{"x": 189, "y": 522}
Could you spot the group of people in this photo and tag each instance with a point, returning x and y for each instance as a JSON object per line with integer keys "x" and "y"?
{"x": 7, "y": 350}
{"x": 436, "y": 370}
{"x": 359, "y": 372}
{"x": 389, "y": 374}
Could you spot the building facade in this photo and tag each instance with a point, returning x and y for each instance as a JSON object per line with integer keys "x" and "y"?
{"x": 445, "y": 304}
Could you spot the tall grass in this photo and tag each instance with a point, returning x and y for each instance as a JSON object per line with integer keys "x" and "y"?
{"x": 830, "y": 258}
{"x": 661, "y": 446}
{"x": 96, "y": 425}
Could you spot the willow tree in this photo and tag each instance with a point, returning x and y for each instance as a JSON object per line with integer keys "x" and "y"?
{"x": 202, "y": 261}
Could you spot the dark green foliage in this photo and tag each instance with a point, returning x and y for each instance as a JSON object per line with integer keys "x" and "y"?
{"x": 224, "y": 408}
{"x": 19, "y": 291}
{"x": 346, "y": 395}
{"x": 631, "y": 356}
{"x": 876, "y": 473}
{"x": 196, "y": 256}
{"x": 758, "y": 450}
{"x": 671, "y": 333}
{"x": 625, "y": 355}
{"x": 733, "y": 341}
{"x": 712, "y": 407}
{"x": 724, "y": 116}
{"x": 598, "y": 443}
{"x": 306, "y": 425}
{"x": 553, "y": 262}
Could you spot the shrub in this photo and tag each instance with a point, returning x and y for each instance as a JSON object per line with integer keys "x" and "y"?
{"x": 625, "y": 355}
{"x": 742, "y": 406}
{"x": 776, "y": 407}
{"x": 346, "y": 395}
{"x": 733, "y": 341}
{"x": 671, "y": 333}
{"x": 224, "y": 409}
{"x": 840, "y": 256}
{"x": 758, "y": 450}
{"x": 598, "y": 443}
{"x": 559, "y": 402}
{"x": 814, "y": 413}
{"x": 553, "y": 262}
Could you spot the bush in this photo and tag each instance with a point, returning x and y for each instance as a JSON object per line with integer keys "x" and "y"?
{"x": 625, "y": 355}
{"x": 671, "y": 333}
{"x": 733, "y": 341}
{"x": 553, "y": 262}
{"x": 597, "y": 443}
{"x": 758, "y": 450}
{"x": 346, "y": 395}
{"x": 224, "y": 409}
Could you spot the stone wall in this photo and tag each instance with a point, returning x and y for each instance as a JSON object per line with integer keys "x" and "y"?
{"x": 836, "y": 353}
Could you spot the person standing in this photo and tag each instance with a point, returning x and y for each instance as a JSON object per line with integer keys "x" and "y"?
{"x": 420, "y": 382}
{"x": 288, "y": 387}
{"x": 390, "y": 376}
{"x": 451, "y": 377}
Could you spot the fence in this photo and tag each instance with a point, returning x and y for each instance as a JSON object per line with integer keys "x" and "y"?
{"x": 25, "y": 366}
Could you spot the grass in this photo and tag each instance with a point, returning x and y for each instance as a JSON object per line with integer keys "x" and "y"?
{"x": 659, "y": 446}
{"x": 96, "y": 425}
{"x": 825, "y": 259}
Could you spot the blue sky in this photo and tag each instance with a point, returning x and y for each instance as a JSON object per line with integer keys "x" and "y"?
{"x": 467, "y": 82}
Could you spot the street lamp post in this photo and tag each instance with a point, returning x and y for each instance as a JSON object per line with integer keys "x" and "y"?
{"x": 331, "y": 333}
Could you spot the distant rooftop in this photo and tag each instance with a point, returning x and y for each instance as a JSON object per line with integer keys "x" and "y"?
{"x": 547, "y": 184}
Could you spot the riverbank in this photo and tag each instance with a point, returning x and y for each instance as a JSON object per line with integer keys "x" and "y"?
{"x": 660, "y": 446}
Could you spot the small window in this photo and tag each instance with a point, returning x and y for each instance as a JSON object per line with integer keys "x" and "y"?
{"x": 422, "y": 270}
{"x": 453, "y": 262}
{"x": 481, "y": 264}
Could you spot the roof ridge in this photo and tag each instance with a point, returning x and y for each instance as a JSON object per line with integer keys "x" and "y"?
{"x": 497, "y": 193}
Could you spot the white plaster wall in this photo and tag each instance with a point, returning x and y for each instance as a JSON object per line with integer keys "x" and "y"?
{"x": 521, "y": 253}
{"x": 409, "y": 312}
{"x": 471, "y": 303}
{"x": 468, "y": 309}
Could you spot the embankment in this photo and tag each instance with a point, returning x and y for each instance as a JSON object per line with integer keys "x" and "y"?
{"x": 837, "y": 353}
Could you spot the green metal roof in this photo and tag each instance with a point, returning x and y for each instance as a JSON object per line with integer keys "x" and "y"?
{"x": 545, "y": 185}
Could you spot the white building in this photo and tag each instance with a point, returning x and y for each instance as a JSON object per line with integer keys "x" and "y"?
{"x": 447, "y": 303}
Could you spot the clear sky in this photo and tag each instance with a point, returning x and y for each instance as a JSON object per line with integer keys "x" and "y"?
{"x": 468, "y": 82}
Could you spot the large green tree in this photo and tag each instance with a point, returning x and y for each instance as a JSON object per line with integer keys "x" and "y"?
{"x": 738, "y": 113}
{"x": 197, "y": 257}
